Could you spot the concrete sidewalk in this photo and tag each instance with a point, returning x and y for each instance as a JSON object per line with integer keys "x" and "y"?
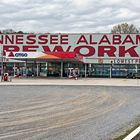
{"x": 80, "y": 81}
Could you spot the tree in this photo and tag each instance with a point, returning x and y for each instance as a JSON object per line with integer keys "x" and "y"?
{"x": 8, "y": 31}
{"x": 124, "y": 28}
{"x": 20, "y": 32}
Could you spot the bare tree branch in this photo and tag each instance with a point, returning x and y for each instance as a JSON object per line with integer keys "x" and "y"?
{"x": 124, "y": 28}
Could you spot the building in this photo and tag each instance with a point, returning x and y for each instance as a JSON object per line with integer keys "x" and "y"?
{"x": 89, "y": 55}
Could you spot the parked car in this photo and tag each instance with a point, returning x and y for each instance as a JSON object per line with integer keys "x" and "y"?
{"x": 133, "y": 75}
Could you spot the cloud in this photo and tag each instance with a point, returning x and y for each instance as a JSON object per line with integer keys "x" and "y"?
{"x": 67, "y": 15}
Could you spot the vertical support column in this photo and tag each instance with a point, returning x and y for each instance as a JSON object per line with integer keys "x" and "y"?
{"x": 34, "y": 72}
{"x": 110, "y": 71}
{"x": 89, "y": 67}
{"x": 25, "y": 65}
{"x": 14, "y": 69}
{"x": 85, "y": 70}
{"x": 46, "y": 69}
{"x": 136, "y": 68}
{"x": 34, "y": 69}
{"x": 68, "y": 73}
{"x": 2, "y": 69}
{"x": 37, "y": 69}
{"x": 61, "y": 69}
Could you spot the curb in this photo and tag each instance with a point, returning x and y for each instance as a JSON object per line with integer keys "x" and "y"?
{"x": 63, "y": 84}
{"x": 135, "y": 135}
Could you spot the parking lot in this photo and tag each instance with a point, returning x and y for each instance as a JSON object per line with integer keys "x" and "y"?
{"x": 68, "y": 112}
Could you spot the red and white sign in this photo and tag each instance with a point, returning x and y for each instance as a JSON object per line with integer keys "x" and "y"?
{"x": 106, "y": 46}
{"x": 24, "y": 55}
{"x": 43, "y": 55}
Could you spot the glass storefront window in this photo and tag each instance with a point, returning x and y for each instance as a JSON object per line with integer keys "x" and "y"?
{"x": 54, "y": 69}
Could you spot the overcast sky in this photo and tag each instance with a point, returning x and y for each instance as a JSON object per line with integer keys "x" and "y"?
{"x": 67, "y": 15}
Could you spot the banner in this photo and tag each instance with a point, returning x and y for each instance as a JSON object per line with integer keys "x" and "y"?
{"x": 89, "y": 46}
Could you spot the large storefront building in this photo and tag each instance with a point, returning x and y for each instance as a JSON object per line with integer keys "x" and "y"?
{"x": 58, "y": 55}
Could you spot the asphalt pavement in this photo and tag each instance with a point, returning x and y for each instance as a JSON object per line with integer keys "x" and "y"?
{"x": 67, "y": 112}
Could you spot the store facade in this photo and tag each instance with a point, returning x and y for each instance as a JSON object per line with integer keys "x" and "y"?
{"x": 94, "y": 55}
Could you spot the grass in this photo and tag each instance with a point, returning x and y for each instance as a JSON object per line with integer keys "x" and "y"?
{"x": 127, "y": 132}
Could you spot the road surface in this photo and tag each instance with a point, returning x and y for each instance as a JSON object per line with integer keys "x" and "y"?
{"x": 67, "y": 112}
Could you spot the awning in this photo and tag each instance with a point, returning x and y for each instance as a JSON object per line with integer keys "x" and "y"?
{"x": 54, "y": 56}
{"x": 62, "y": 56}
